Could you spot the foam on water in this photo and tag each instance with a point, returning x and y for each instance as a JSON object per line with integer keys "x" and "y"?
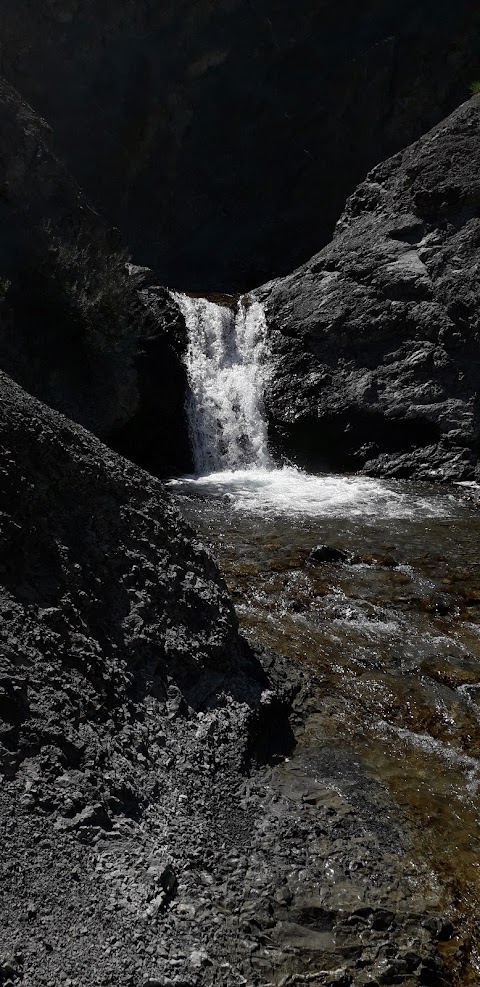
{"x": 289, "y": 491}
{"x": 227, "y": 369}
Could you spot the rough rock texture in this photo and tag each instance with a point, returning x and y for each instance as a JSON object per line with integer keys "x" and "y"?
{"x": 119, "y": 658}
{"x": 224, "y": 137}
{"x": 375, "y": 340}
{"x": 76, "y": 329}
{"x": 52, "y": 247}
{"x": 156, "y": 434}
{"x": 147, "y": 842}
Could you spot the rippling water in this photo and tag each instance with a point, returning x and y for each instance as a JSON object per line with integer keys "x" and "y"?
{"x": 392, "y": 637}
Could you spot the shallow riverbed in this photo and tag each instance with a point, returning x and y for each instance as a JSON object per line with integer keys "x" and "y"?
{"x": 391, "y": 631}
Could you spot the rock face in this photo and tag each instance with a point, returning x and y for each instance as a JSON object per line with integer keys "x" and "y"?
{"x": 155, "y": 436}
{"x": 94, "y": 550}
{"x": 128, "y": 703}
{"x": 76, "y": 329}
{"x": 223, "y": 138}
{"x": 375, "y": 340}
{"x": 61, "y": 270}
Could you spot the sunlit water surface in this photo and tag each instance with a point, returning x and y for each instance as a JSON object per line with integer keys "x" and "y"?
{"x": 290, "y": 493}
{"x": 393, "y": 638}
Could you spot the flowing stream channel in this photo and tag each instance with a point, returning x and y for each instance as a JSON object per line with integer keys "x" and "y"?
{"x": 389, "y": 628}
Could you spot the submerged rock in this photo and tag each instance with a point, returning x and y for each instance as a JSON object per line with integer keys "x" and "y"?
{"x": 375, "y": 341}
{"x": 327, "y": 554}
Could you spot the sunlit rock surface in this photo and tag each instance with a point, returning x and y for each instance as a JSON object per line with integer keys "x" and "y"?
{"x": 130, "y": 713}
{"x": 375, "y": 341}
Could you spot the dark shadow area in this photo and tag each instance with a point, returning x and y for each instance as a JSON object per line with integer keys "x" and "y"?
{"x": 223, "y": 139}
{"x": 338, "y": 442}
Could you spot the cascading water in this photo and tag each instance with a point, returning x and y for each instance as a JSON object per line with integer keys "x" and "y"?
{"x": 225, "y": 363}
{"x": 227, "y": 367}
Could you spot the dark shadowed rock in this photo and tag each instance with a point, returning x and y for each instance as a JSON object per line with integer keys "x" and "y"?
{"x": 375, "y": 341}
{"x": 76, "y": 329}
{"x": 61, "y": 271}
{"x": 224, "y": 137}
{"x": 156, "y": 434}
{"x": 325, "y": 554}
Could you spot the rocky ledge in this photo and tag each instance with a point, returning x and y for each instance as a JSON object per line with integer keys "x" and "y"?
{"x": 375, "y": 341}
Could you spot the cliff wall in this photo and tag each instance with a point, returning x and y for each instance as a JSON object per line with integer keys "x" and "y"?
{"x": 223, "y": 138}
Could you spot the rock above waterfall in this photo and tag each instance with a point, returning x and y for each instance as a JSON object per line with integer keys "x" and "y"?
{"x": 375, "y": 341}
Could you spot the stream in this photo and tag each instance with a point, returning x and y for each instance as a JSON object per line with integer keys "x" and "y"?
{"x": 391, "y": 636}
{"x": 374, "y": 588}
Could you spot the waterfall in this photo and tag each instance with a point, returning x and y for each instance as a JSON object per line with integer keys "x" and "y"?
{"x": 227, "y": 365}
{"x": 225, "y": 362}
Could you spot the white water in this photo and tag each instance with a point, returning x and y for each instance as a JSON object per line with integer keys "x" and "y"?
{"x": 289, "y": 491}
{"x": 226, "y": 362}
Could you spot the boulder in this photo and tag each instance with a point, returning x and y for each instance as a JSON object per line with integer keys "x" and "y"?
{"x": 106, "y": 591}
{"x": 130, "y": 709}
{"x": 375, "y": 341}
{"x": 328, "y": 554}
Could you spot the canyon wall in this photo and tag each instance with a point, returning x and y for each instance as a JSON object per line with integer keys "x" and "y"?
{"x": 223, "y": 138}
{"x": 95, "y": 339}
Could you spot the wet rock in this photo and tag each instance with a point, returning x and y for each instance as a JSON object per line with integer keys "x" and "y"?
{"x": 327, "y": 554}
{"x": 378, "y": 559}
{"x": 441, "y": 604}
